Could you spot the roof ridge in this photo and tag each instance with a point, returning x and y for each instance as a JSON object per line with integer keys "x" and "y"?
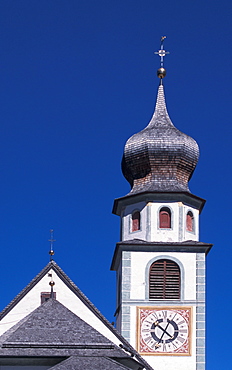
{"x": 72, "y": 359}
{"x": 105, "y": 321}
{"x": 81, "y": 295}
{"x": 23, "y": 292}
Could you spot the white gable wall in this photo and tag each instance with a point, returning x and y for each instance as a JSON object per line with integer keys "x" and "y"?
{"x": 64, "y": 295}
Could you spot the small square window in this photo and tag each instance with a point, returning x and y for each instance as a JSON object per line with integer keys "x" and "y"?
{"x": 46, "y": 295}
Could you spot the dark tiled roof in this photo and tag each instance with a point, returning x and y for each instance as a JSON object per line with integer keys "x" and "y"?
{"x": 12, "y": 347}
{"x": 52, "y": 323}
{"x": 90, "y": 363}
{"x": 160, "y": 157}
{"x": 53, "y": 330}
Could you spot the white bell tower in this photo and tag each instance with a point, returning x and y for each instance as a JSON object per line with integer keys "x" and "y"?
{"x": 160, "y": 263}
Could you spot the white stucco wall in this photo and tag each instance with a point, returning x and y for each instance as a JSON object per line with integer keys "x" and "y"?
{"x": 141, "y": 261}
{"x": 127, "y": 234}
{"x": 150, "y": 230}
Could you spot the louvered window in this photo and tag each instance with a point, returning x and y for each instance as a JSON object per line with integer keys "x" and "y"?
{"x": 165, "y": 218}
{"x": 189, "y": 221}
{"x": 136, "y": 221}
{"x": 164, "y": 280}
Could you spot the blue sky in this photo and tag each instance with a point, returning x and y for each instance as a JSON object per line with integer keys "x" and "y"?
{"x": 77, "y": 78}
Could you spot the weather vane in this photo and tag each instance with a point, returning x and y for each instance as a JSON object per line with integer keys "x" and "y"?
{"x": 161, "y": 73}
{"x": 51, "y": 240}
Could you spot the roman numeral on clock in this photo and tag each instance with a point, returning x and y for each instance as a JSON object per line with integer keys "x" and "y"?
{"x": 148, "y": 340}
{"x": 164, "y": 331}
{"x": 182, "y": 331}
{"x": 180, "y": 339}
{"x": 181, "y": 322}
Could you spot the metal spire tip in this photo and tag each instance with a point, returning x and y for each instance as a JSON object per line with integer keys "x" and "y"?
{"x": 51, "y": 240}
{"x": 161, "y": 72}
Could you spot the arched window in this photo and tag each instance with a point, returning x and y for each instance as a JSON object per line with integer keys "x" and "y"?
{"x": 135, "y": 221}
{"x": 189, "y": 221}
{"x": 165, "y": 218}
{"x": 164, "y": 280}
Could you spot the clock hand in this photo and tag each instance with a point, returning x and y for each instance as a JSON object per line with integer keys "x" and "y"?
{"x": 164, "y": 330}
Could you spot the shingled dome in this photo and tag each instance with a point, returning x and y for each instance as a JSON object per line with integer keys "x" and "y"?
{"x": 160, "y": 157}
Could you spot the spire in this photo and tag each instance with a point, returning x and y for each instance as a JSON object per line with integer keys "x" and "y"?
{"x": 160, "y": 157}
{"x": 51, "y": 240}
{"x": 160, "y": 116}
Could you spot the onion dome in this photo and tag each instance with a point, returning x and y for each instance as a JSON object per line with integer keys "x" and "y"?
{"x": 160, "y": 158}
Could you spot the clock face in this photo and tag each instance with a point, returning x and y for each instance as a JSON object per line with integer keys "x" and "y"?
{"x": 164, "y": 330}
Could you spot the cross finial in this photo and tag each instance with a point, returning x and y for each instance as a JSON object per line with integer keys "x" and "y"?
{"x": 51, "y": 240}
{"x": 162, "y": 52}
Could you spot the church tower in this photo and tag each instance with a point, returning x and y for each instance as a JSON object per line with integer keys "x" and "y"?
{"x": 159, "y": 261}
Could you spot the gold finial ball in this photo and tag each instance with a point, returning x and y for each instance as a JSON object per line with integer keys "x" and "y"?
{"x": 51, "y": 252}
{"x": 52, "y": 283}
{"x": 161, "y": 72}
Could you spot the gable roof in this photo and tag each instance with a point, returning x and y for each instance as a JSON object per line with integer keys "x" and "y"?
{"x": 12, "y": 340}
{"x": 52, "y": 323}
{"x": 88, "y": 363}
{"x": 54, "y": 331}
{"x": 51, "y": 265}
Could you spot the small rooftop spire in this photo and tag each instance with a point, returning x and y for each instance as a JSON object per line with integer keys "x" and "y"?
{"x": 51, "y": 240}
{"x": 51, "y": 283}
{"x": 161, "y": 72}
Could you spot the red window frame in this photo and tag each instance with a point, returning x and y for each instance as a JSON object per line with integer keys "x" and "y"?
{"x": 190, "y": 222}
{"x": 165, "y": 218}
{"x": 135, "y": 221}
